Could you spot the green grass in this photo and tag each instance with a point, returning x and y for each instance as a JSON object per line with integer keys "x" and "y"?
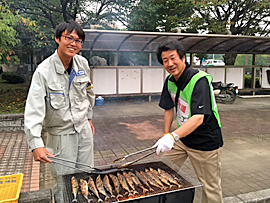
{"x": 12, "y": 97}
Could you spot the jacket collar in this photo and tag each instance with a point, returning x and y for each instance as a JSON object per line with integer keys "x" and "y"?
{"x": 59, "y": 67}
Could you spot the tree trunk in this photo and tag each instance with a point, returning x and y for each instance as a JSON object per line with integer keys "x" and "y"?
{"x": 229, "y": 59}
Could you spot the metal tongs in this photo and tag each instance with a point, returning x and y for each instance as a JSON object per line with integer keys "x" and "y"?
{"x": 134, "y": 153}
{"x": 60, "y": 161}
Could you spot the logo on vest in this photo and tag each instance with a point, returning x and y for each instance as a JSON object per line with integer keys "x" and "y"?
{"x": 183, "y": 113}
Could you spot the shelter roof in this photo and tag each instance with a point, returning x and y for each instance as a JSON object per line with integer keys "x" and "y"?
{"x": 135, "y": 41}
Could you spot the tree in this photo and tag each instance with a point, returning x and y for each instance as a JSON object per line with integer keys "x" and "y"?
{"x": 105, "y": 13}
{"x": 243, "y": 59}
{"x": 236, "y": 17}
{"x": 245, "y": 17}
{"x": 143, "y": 17}
{"x": 159, "y": 15}
{"x": 47, "y": 14}
{"x": 8, "y": 35}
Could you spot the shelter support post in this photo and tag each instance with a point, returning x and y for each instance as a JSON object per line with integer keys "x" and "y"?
{"x": 115, "y": 59}
{"x": 244, "y": 78}
{"x": 253, "y": 73}
{"x": 244, "y": 71}
{"x": 191, "y": 59}
{"x": 260, "y": 76}
{"x": 150, "y": 64}
{"x": 117, "y": 80}
{"x": 225, "y": 75}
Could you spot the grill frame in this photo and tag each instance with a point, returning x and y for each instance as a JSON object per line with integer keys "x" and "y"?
{"x": 186, "y": 194}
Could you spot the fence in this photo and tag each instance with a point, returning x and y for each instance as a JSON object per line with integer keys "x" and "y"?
{"x": 11, "y": 122}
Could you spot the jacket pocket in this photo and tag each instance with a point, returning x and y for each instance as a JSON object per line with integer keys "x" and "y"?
{"x": 80, "y": 87}
{"x": 57, "y": 96}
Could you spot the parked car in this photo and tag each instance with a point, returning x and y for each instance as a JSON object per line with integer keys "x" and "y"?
{"x": 198, "y": 63}
{"x": 214, "y": 62}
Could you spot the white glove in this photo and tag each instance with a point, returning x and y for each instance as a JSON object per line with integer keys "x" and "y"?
{"x": 164, "y": 144}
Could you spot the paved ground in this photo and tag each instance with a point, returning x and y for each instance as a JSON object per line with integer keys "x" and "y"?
{"x": 245, "y": 160}
{"x": 124, "y": 127}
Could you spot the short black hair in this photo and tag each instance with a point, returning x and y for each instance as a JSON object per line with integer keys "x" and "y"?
{"x": 69, "y": 25}
{"x": 170, "y": 45}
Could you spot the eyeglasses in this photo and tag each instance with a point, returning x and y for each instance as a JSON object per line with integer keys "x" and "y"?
{"x": 70, "y": 39}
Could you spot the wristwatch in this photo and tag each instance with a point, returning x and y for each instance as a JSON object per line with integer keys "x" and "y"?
{"x": 176, "y": 137}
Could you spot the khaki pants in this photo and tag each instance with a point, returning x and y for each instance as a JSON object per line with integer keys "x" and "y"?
{"x": 207, "y": 165}
{"x": 77, "y": 147}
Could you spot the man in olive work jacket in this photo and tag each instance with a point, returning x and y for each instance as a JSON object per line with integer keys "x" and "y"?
{"x": 61, "y": 99}
{"x": 198, "y": 134}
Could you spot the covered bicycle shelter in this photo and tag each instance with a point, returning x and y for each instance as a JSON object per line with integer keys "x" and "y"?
{"x": 118, "y": 80}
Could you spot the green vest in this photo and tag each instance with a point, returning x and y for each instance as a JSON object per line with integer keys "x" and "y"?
{"x": 184, "y": 100}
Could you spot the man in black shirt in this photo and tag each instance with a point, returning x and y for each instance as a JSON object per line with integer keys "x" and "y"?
{"x": 198, "y": 135}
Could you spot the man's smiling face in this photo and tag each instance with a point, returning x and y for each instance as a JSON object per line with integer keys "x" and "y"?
{"x": 173, "y": 64}
{"x": 67, "y": 47}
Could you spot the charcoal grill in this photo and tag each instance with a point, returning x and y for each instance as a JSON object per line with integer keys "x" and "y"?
{"x": 183, "y": 195}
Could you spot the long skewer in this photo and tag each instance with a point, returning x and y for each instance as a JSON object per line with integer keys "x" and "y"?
{"x": 99, "y": 171}
{"x": 74, "y": 162}
{"x": 128, "y": 155}
{"x": 131, "y": 162}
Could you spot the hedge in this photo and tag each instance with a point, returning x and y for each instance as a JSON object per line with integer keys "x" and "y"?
{"x": 13, "y": 78}
{"x": 248, "y": 82}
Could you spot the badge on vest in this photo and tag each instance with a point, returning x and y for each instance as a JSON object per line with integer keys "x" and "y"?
{"x": 80, "y": 72}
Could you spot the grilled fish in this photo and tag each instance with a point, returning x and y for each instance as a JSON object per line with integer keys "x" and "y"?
{"x": 130, "y": 183}
{"x": 150, "y": 180}
{"x": 107, "y": 185}
{"x": 169, "y": 177}
{"x": 75, "y": 187}
{"x": 84, "y": 189}
{"x": 116, "y": 185}
{"x": 100, "y": 187}
{"x": 164, "y": 180}
{"x": 155, "y": 178}
{"x": 137, "y": 182}
{"x": 92, "y": 187}
{"x": 144, "y": 180}
{"x": 124, "y": 184}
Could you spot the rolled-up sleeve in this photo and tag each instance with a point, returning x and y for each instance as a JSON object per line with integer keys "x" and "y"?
{"x": 35, "y": 112}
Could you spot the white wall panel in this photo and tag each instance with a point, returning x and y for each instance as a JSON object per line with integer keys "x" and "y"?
{"x": 218, "y": 74}
{"x": 265, "y": 82}
{"x": 153, "y": 80}
{"x": 104, "y": 81}
{"x": 129, "y": 81}
{"x": 235, "y": 75}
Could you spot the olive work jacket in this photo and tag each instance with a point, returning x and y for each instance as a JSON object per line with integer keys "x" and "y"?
{"x": 56, "y": 101}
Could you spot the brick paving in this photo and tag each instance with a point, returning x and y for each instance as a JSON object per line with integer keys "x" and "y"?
{"x": 123, "y": 128}
{"x": 16, "y": 158}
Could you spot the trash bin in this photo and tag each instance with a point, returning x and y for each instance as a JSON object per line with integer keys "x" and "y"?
{"x": 268, "y": 75}
{"x": 99, "y": 101}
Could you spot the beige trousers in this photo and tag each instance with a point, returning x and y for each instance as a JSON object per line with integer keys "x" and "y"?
{"x": 78, "y": 147}
{"x": 207, "y": 166}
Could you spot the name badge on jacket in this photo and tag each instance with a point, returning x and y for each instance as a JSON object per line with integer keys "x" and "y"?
{"x": 80, "y": 72}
